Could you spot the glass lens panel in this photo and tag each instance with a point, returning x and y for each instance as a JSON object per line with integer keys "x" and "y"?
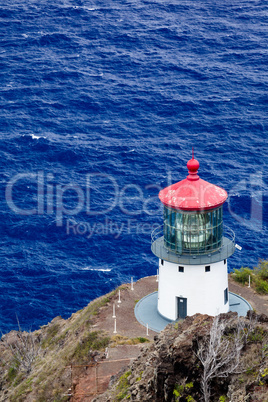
{"x": 193, "y": 232}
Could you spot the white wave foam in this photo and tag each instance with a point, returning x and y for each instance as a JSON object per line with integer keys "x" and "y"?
{"x": 36, "y": 137}
{"x": 96, "y": 269}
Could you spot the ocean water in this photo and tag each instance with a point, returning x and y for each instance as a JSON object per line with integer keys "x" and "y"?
{"x": 101, "y": 103}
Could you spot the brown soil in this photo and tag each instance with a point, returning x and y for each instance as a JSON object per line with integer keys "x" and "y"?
{"x": 126, "y": 323}
{"x": 93, "y": 379}
{"x": 90, "y": 381}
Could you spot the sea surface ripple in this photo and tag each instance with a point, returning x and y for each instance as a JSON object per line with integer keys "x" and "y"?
{"x": 107, "y": 98}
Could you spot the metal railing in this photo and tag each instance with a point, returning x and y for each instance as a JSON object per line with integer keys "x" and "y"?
{"x": 157, "y": 232}
{"x": 160, "y": 249}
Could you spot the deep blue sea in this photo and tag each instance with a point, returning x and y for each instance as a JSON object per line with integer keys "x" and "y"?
{"x": 101, "y": 103}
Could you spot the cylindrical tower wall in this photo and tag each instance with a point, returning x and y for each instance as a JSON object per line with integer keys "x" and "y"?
{"x": 205, "y": 288}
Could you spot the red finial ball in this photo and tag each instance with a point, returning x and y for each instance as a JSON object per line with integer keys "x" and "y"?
{"x": 193, "y": 166}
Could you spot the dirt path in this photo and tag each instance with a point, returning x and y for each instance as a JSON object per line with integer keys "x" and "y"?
{"x": 88, "y": 380}
{"x": 92, "y": 379}
{"x": 126, "y": 323}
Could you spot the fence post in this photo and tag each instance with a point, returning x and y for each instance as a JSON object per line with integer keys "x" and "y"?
{"x": 96, "y": 374}
{"x": 115, "y": 326}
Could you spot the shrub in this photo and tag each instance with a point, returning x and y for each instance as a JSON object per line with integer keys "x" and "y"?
{"x": 124, "y": 340}
{"x": 93, "y": 341}
{"x": 257, "y": 335}
{"x": 262, "y": 270}
{"x": 181, "y": 391}
{"x": 261, "y": 286}
{"x": 258, "y": 276}
{"x": 189, "y": 385}
{"x": 178, "y": 391}
{"x": 241, "y": 275}
{"x": 123, "y": 386}
{"x": 141, "y": 339}
{"x": 12, "y": 372}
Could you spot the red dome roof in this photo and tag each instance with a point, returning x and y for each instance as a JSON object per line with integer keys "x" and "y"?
{"x": 193, "y": 193}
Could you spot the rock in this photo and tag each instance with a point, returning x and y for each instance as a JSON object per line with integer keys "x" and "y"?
{"x": 171, "y": 363}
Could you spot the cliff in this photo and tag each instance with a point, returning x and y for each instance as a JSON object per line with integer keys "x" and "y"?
{"x": 170, "y": 370}
{"x": 68, "y": 359}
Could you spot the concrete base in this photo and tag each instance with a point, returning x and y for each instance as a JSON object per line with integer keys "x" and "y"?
{"x": 146, "y": 310}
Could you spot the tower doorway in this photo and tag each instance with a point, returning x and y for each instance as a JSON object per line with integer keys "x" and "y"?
{"x": 181, "y": 307}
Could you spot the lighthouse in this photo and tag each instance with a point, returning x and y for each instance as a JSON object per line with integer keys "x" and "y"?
{"x": 193, "y": 246}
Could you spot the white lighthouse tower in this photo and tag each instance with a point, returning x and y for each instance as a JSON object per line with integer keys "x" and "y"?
{"x": 193, "y": 248}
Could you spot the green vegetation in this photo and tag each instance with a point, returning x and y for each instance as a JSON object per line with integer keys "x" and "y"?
{"x": 50, "y": 335}
{"x": 261, "y": 286}
{"x": 124, "y": 340}
{"x": 182, "y": 391}
{"x": 92, "y": 341}
{"x": 139, "y": 378}
{"x": 12, "y": 372}
{"x": 189, "y": 385}
{"x": 258, "y": 276}
{"x": 141, "y": 339}
{"x": 22, "y": 391}
{"x": 256, "y": 335}
{"x": 63, "y": 342}
{"x": 262, "y": 270}
{"x": 123, "y": 386}
{"x": 189, "y": 398}
{"x": 178, "y": 391}
{"x": 251, "y": 371}
{"x": 242, "y": 275}
{"x": 265, "y": 350}
{"x": 84, "y": 317}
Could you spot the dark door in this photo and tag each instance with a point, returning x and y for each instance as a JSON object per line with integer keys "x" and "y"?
{"x": 182, "y": 307}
